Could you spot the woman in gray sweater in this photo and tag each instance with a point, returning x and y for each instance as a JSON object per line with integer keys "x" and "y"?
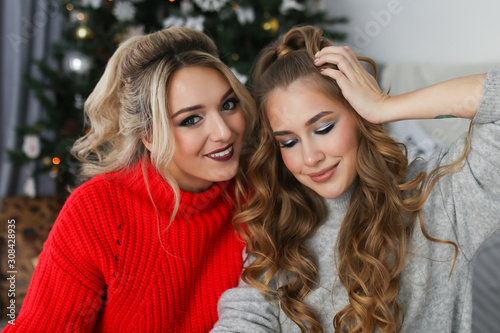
{"x": 342, "y": 234}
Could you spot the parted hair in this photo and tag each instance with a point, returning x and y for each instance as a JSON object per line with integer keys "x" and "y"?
{"x": 130, "y": 102}
{"x": 281, "y": 213}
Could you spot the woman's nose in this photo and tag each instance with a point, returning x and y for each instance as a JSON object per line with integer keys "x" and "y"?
{"x": 312, "y": 154}
{"x": 219, "y": 129}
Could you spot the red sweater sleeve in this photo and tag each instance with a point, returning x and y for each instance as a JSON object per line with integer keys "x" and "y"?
{"x": 66, "y": 290}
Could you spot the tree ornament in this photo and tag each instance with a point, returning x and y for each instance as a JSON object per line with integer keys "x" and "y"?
{"x": 173, "y": 21}
{"x": 195, "y": 22}
{"x": 272, "y": 25}
{"x": 287, "y": 5}
{"x": 187, "y": 7}
{"x": 78, "y": 101}
{"x": 211, "y": 5}
{"x": 46, "y": 161}
{"x": 53, "y": 172}
{"x": 124, "y": 11}
{"x": 133, "y": 31}
{"x": 31, "y": 145}
{"x": 77, "y": 15}
{"x": 245, "y": 15}
{"x": 30, "y": 187}
{"x": 94, "y": 3}
{"x": 190, "y": 22}
{"x": 241, "y": 77}
{"x": 77, "y": 62}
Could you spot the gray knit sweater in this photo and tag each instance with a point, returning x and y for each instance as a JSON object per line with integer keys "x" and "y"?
{"x": 464, "y": 207}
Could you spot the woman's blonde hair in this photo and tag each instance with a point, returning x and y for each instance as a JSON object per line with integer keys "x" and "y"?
{"x": 130, "y": 101}
{"x": 282, "y": 213}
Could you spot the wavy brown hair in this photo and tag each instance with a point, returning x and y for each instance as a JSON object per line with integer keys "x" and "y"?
{"x": 282, "y": 213}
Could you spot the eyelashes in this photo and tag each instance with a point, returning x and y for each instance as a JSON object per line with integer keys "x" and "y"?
{"x": 230, "y": 104}
{"x": 190, "y": 121}
{"x": 325, "y": 129}
{"x": 322, "y": 130}
{"x": 288, "y": 144}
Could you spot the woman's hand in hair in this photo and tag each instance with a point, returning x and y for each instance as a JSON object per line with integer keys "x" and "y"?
{"x": 358, "y": 86}
{"x": 458, "y": 97}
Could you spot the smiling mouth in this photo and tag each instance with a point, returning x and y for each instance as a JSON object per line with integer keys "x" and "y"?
{"x": 324, "y": 174}
{"x": 223, "y": 154}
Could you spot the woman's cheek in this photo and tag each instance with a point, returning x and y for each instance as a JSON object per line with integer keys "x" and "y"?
{"x": 291, "y": 161}
{"x": 346, "y": 142}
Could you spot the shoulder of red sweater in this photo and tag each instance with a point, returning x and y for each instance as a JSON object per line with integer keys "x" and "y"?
{"x": 105, "y": 184}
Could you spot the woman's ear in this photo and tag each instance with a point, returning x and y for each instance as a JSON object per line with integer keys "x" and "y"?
{"x": 147, "y": 144}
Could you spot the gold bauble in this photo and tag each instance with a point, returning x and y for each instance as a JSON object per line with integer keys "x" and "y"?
{"x": 272, "y": 25}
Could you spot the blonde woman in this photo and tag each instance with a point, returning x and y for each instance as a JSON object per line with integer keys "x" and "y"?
{"x": 394, "y": 251}
{"x": 146, "y": 244}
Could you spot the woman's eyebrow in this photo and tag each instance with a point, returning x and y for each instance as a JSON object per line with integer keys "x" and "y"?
{"x": 188, "y": 109}
{"x": 281, "y": 133}
{"x": 229, "y": 92}
{"x": 200, "y": 106}
{"x": 308, "y": 123}
{"x": 317, "y": 117}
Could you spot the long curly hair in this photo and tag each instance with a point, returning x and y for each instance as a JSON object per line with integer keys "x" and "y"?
{"x": 281, "y": 213}
{"x": 130, "y": 102}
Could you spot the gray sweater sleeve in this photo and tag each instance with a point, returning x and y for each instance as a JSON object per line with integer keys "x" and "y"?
{"x": 244, "y": 309}
{"x": 471, "y": 196}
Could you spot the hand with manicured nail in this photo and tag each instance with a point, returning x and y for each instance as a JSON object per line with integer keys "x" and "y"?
{"x": 358, "y": 86}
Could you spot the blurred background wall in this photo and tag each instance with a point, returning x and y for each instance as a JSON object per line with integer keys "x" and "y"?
{"x": 442, "y": 31}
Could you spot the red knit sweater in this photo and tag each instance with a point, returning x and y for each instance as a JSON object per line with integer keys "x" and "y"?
{"x": 104, "y": 269}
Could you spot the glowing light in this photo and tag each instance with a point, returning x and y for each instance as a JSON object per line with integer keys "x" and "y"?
{"x": 46, "y": 161}
{"x": 56, "y": 160}
{"x": 236, "y": 56}
{"x": 80, "y": 16}
{"x": 82, "y": 32}
{"x": 235, "y": 6}
{"x": 275, "y": 25}
{"x": 76, "y": 64}
{"x": 69, "y": 7}
{"x": 272, "y": 25}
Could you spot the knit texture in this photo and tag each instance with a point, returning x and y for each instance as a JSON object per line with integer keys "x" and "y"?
{"x": 104, "y": 268}
{"x": 464, "y": 207}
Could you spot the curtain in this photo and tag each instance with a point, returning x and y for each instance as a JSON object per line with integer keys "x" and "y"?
{"x": 28, "y": 29}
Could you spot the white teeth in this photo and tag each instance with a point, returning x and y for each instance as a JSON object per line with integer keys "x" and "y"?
{"x": 222, "y": 153}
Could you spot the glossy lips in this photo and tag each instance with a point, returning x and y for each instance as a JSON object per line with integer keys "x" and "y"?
{"x": 323, "y": 175}
{"x": 223, "y": 154}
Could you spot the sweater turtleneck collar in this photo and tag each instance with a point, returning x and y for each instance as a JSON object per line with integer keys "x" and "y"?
{"x": 162, "y": 193}
{"x": 337, "y": 207}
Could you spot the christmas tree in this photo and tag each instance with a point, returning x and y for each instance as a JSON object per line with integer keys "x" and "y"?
{"x": 93, "y": 30}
